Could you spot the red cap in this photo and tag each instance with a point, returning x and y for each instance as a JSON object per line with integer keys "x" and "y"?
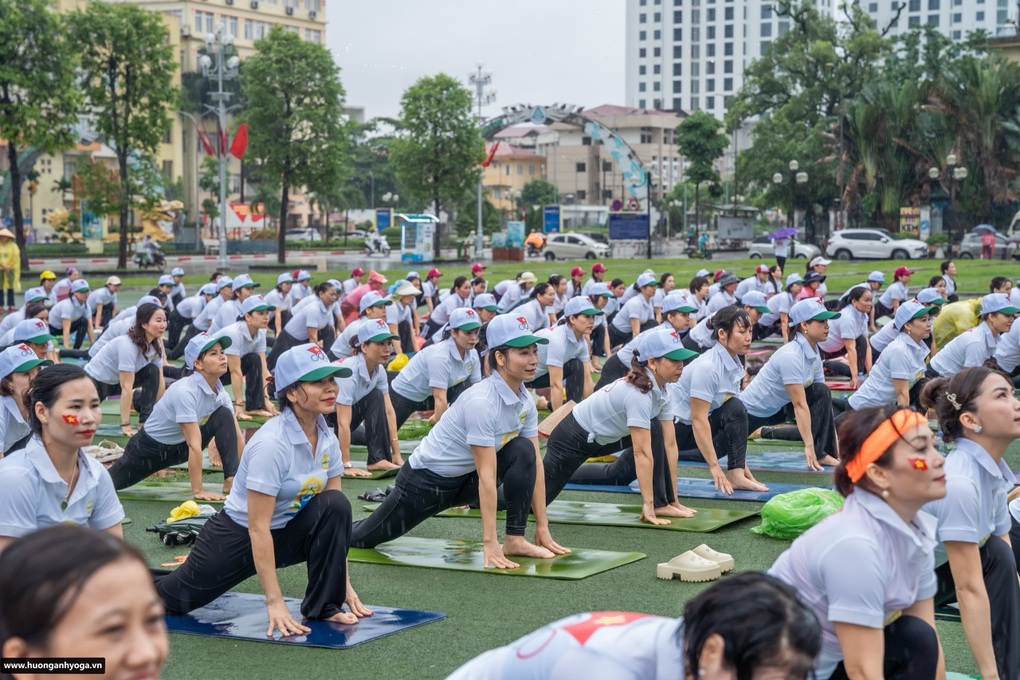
{"x": 763, "y": 269}
{"x": 477, "y": 267}
{"x": 902, "y": 271}
{"x": 433, "y": 272}
{"x": 358, "y": 271}
{"x": 598, "y": 267}
{"x": 577, "y": 271}
{"x": 718, "y": 275}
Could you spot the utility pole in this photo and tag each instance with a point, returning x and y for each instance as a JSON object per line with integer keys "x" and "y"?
{"x": 482, "y": 97}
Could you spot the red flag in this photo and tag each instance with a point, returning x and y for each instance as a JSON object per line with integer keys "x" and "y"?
{"x": 204, "y": 138}
{"x": 492, "y": 154}
{"x": 240, "y": 143}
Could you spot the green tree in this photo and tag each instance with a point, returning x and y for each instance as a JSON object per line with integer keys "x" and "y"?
{"x": 438, "y": 154}
{"x": 38, "y": 97}
{"x": 700, "y": 141}
{"x": 127, "y": 69}
{"x": 539, "y": 192}
{"x": 294, "y": 112}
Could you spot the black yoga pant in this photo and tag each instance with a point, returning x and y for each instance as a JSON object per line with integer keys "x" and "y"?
{"x": 370, "y": 409}
{"x": 178, "y": 350}
{"x": 729, "y": 435}
{"x": 598, "y": 339}
{"x": 175, "y": 325}
{"x": 612, "y": 371}
{"x": 861, "y": 344}
{"x": 404, "y": 407}
{"x": 146, "y": 386}
{"x": 882, "y": 310}
{"x": 823, "y": 428}
{"x": 623, "y": 471}
{"x": 568, "y": 448}
{"x": 998, "y": 567}
{"x": 692, "y": 345}
{"x": 319, "y": 535}
{"x": 143, "y": 455}
{"x": 420, "y": 494}
{"x": 254, "y": 384}
{"x": 407, "y": 345}
{"x": 617, "y": 338}
{"x": 79, "y": 329}
{"x": 911, "y": 651}
{"x": 758, "y": 331}
{"x": 573, "y": 380}
{"x": 104, "y": 318}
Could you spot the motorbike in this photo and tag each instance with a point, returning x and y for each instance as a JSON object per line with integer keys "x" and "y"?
{"x": 376, "y": 244}
{"x": 534, "y": 251}
{"x": 154, "y": 259}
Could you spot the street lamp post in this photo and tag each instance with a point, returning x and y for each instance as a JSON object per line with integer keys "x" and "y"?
{"x": 954, "y": 174}
{"x": 796, "y": 177}
{"x": 216, "y": 44}
{"x": 480, "y": 81}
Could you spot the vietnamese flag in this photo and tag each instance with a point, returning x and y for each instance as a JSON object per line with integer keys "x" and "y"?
{"x": 240, "y": 143}
{"x": 71, "y": 420}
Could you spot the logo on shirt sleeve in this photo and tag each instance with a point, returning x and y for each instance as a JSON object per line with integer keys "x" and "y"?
{"x": 583, "y": 631}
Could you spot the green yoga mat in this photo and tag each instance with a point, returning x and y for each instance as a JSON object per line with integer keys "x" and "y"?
{"x": 613, "y": 515}
{"x": 436, "y": 553}
{"x": 170, "y": 492}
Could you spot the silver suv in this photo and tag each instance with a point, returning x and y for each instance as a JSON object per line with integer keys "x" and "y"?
{"x": 572, "y": 246}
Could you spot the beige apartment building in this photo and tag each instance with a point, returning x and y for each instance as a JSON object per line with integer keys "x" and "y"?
{"x": 512, "y": 167}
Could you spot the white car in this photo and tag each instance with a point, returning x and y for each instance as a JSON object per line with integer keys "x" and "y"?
{"x": 573, "y": 247}
{"x": 763, "y": 246}
{"x": 874, "y": 244}
{"x": 303, "y": 234}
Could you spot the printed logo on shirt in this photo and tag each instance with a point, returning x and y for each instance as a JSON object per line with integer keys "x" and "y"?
{"x": 308, "y": 491}
{"x": 325, "y": 461}
{"x": 317, "y": 353}
{"x": 88, "y": 508}
{"x": 583, "y": 631}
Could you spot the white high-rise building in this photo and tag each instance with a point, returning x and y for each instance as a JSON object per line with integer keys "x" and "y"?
{"x": 686, "y": 55}
{"x": 953, "y": 18}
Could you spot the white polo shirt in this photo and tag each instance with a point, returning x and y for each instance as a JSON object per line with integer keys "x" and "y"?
{"x": 278, "y": 461}
{"x": 563, "y": 346}
{"x": 635, "y": 308}
{"x": 188, "y": 400}
{"x": 102, "y": 296}
{"x": 428, "y": 288}
{"x": 720, "y": 300}
{"x": 241, "y": 341}
{"x": 299, "y": 291}
{"x": 177, "y": 290}
{"x": 486, "y": 414}
{"x": 950, "y": 284}
{"x": 974, "y": 507}
{"x": 608, "y": 414}
{"x": 897, "y": 290}
{"x": 593, "y": 645}
{"x": 398, "y": 313}
{"x": 863, "y": 566}
{"x": 1007, "y": 350}
{"x": 885, "y": 335}
{"x": 439, "y": 366}
{"x": 715, "y": 377}
{"x": 701, "y": 334}
{"x": 225, "y": 315}
{"x": 795, "y": 363}
{"x": 70, "y": 309}
{"x": 11, "y": 320}
{"x": 341, "y": 348}
{"x": 752, "y": 283}
{"x": 441, "y": 314}
{"x": 354, "y": 389}
{"x": 192, "y": 306}
{"x": 903, "y": 359}
{"x": 973, "y": 347}
{"x": 629, "y": 293}
{"x": 850, "y": 325}
{"x": 315, "y": 316}
{"x": 120, "y": 354}
{"x": 205, "y": 317}
{"x": 535, "y": 313}
{"x": 279, "y": 300}
{"x": 777, "y": 304}
{"x": 114, "y": 330}
{"x": 31, "y": 493}
{"x": 13, "y": 427}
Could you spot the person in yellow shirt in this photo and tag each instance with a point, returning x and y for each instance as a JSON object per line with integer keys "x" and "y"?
{"x": 10, "y": 267}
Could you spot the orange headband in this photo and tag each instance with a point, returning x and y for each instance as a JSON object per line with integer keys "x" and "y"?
{"x": 879, "y": 441}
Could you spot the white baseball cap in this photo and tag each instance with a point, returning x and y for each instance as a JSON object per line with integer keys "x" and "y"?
{"x": 113, "y": 281}
{"x": 513, "y": 331}
{"x": 663, "y": 342}
{"x": 373, "y": 299}
{"x": 646, "y": 280}
{"x": 202, "y": 343}
{"x": 762, "y": 269}
{"x": 176, "y": 271}
{"x": 305, "y": 363}
{"x": 810, "y": 309}
{"x": 284, "y": 278}
{"x": 677, "y": 302}
{"x": 32, "y": 330}
{"x": 208, "y": 289}
{"x": 793, "y": 278}
{"x": 303, "y": 275}
{"x": 581, "y": 304}
{"x": 911, "y": 309}
{"x": 149, "y": 300}
{"x": 601, "y": 289}
{"x": 79, "y": 286}
{"x": 756, "y": 299}
{"x": 876, "y": 276}
{"x": 256, "y": 303}
{"x": 243, "y": 281}
{"x": 528, "y": 277}
{"x": 223, "y": 282}
{"x": 36, "y": 295}
{"x": 819, "y": 260}
{"x": 165, "y": 280}
{"x": 18, "y": 359}
{"x": 486, "y": 301}
{"x": 375, "y": 330}
{"x": 930, "y": 296}
{"x": 997, "y": 302}
{"x": 464, "y": 319}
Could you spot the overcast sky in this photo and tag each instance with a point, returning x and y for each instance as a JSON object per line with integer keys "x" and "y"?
{"x": 538, "y": 51}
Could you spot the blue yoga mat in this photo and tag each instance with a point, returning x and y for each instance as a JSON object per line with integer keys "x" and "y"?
{"x": 790, "y": 460}
{"x": 242, "y": 616}
{"x": 701, "y": 488}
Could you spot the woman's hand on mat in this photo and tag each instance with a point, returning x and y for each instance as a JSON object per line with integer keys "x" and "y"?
{"x": 354, "y": 604}
{"x": 648, "y": 515}
{"x": 812, "y": 460}
{"x": 544, "y": 539}
{"x": 722, "y": 483}
{"x": 492, "y": 556}
{"x": 280, "y": 618}
{"x": 127, "y": 431}
{"x": 204, "y": 495}
{"x": 356, "y": 472}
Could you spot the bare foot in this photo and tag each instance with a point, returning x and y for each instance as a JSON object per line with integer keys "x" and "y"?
{"x": 828, "y": 460}
{"x": 343, "y": 617}
{"x": 755, "y": 435}
{"x": 673, "y": 511}
{"x": 214, "y": 455}
{"x": 262, "y": 413}
{"x": 518, "y": 545}
{"x": 383, "y": 465}
{"x": 740, "y": 480}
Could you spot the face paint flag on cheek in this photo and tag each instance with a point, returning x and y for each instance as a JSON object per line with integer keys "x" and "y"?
{"x": 918, "y": 463}
{"x": 71, "y": 420}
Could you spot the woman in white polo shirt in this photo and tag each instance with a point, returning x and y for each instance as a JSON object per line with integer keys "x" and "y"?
{"x": 600, "y": 296}
{"x": 633, "y": 413}
{"x": 246, "y": 359}
{"x": 184, "y": 315}
{"x": 306, "y": 322}
{"x": 867, "y": 571}
{"x": 898, "y": 375}
{"x": 72, "y": 315}
{"x": 460, "y": 296}
{"x": 285, "y": 508}
{"x": 726, "y": 294}
{"x": 402, "y": 316}
{"x": 489, "y": 436}
{"x": 977, "y": 345}
{"x": 848, "y": 335}
{"x": 709, "y": 422}
{"x": 302, "y": 286}
{"x": 133, "y": 361}
{"x": 636, "y": 314}
{"x": 19, "y": 365}
{"x": 565, "y": 360}
{"x": 230, "y": 311}
{"x": 52, "y": 481}
{"x": 538, "y": 309}
{"x": 897, "y": 292}
{"x": 176, "y": 433}
{"x": 203, "y": 322}
{"x": 793, "y": 378}
{"x": 928, "y": 297}
{"x": 372, "y": 306}
{"x": 779, "y": 306}
{"x": 103, "y": 301}
{"x": 676, "y": 315}
{"x": 436, "y": 376}
{"x": 279, "y": 298}
{"x": 976, "y": 409}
